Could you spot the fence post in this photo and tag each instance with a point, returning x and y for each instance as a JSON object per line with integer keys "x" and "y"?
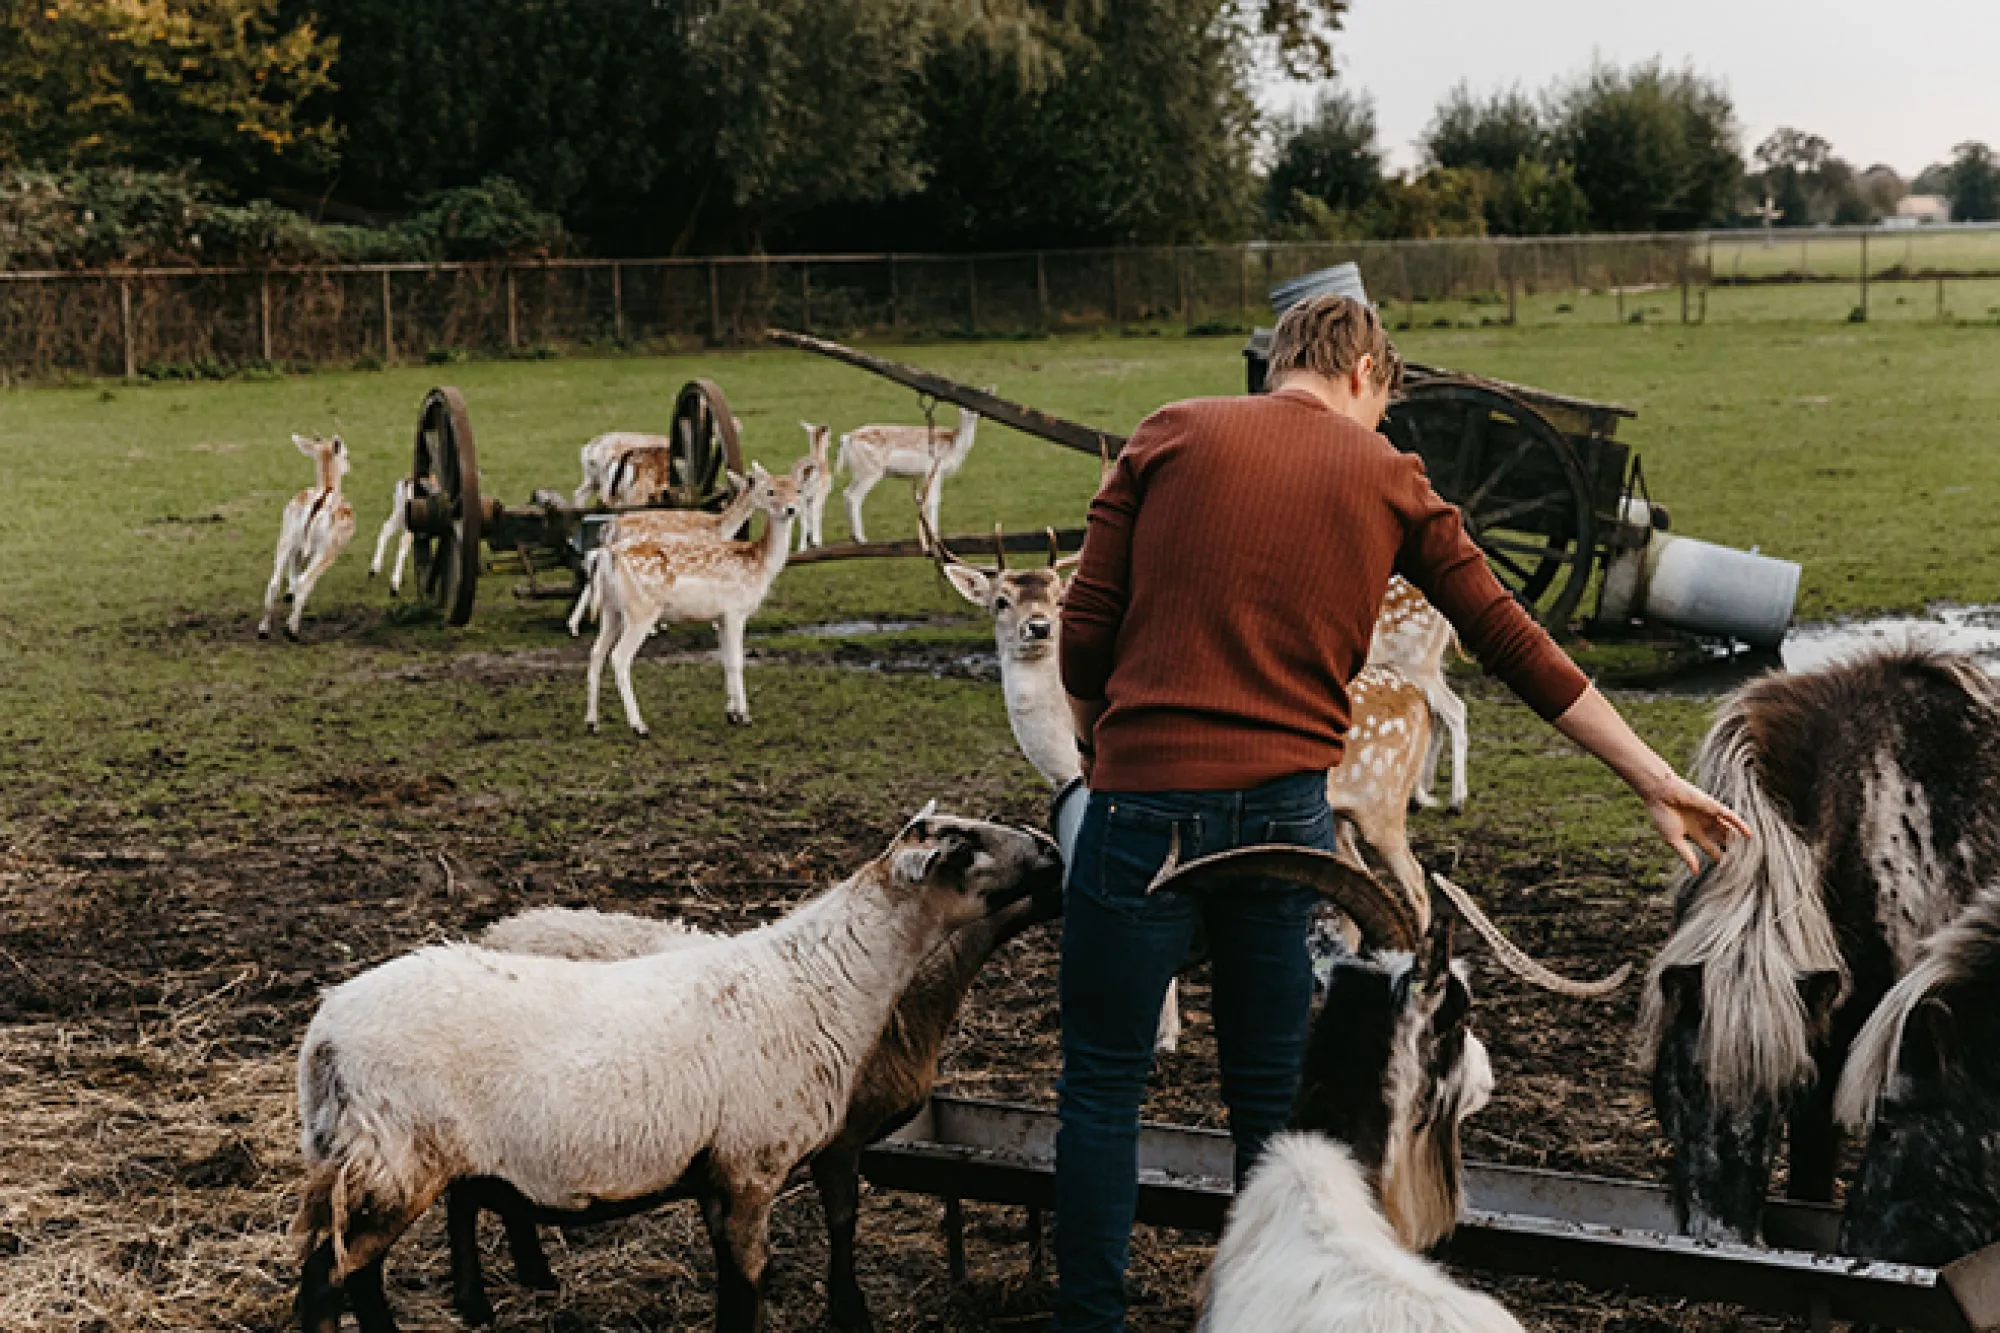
{"x": 1940, "y": 299}
{"x": 972, "y": 295}
{"x": 513, "y": 324}
{"x": 1243, "y": 282}
{"x": 125, "y": 325}
{"x": 264, "y": 315}
{"x": 1042, "y": 290}
{"x": 389, "y": 321}
{"x": 1684, "y": 285}
{"x": 806, "y": 295}
{"x": 895, "y": 299}
{"x": 1180, "y": 283}
{"x": 714, "y": 305}
{"x": 1117, "y": 303}
{"x": 617, "y": 301}
{"x": 1512, "y": 315}
{"x": 1864, "y": 275}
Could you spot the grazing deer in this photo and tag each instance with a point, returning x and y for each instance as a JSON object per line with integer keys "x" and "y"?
{"x": 642, "y": 580}
{"x": 924, "y": 454}
{"x": 394, "y": 527}
{"x": 625, "y": 467}
{"x": 812, "y": 515}
{"x": 670, "y": 523}
{"x": 1413, "y": 637}
{"x": 318, "y": 524}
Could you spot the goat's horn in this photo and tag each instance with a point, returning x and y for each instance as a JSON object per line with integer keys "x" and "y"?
{"x": 1515, "y": 959}
{"x": 1384, "y": 918}
{"x": 999, "y": 547}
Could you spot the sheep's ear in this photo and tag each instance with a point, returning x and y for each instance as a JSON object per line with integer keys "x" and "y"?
{"x": 913, "y": 865}
{"x": 972, "y": 585}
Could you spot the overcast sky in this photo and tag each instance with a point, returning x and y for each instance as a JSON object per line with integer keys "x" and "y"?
{"x": 1884, "y": 82}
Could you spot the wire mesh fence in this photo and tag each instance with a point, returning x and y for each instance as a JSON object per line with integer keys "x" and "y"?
{"x": 178, "y": 322}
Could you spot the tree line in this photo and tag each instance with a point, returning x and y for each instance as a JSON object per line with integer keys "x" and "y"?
{"x": 276, "y": 130}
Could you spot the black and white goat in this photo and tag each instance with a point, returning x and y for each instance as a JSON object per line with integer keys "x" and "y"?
{"x": 1873, "y": 790}
{"x": 1923, "y": 1083}
{"x": 1323, "y": 1237}
{"x": 592, "y": 1085}
{"x": 891, "y": 1089}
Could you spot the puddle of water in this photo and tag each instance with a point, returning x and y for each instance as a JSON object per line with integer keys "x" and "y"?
{"x": 1974, "y": 630}
{"x": 849, "y": 629}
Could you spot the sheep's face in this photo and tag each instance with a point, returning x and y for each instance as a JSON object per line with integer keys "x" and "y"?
{"x": 967, "y": 868}
{"x": 1392, "y": 1069}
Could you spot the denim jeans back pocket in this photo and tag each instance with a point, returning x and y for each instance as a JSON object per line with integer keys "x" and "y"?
{"x": 1302, "y": 830}
{"x": 1137, "y": 840}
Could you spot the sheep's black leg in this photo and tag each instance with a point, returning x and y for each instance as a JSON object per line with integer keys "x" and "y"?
{"x": 837, "y": 1172}
{"x": 370, "y": 1302}
{"x": 319, "y": 1301}
{"x": 738, "y": 1301}
{"x": 468, "y": 1282}
{"x": 524, "y": 1242}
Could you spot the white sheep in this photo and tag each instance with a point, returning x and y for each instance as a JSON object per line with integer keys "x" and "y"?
{"x": 714, "y": 1069}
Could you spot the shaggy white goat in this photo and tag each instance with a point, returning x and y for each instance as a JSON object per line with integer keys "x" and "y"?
{"x": 715, "y": 1069}
{"x": 1308, "y": 1251}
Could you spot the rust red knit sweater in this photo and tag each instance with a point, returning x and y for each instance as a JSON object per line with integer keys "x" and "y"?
{"x": 1235, "y": 562}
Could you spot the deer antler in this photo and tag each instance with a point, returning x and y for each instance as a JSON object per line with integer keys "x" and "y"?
{"x": 943, "y": 554}
{"x": 999, "y": 547}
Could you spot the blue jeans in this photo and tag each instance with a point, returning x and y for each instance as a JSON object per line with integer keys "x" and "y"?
{"x": 1120, "y": 948}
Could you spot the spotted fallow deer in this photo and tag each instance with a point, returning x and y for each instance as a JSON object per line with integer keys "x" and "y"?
{"x": 318, "y": 524}
{"x": 395, "y": 529}
{"x": 725, "y": 524}
{"x": 642, "y": 580}
{"x": 625, "y": 467}
{"x": 1026, "y": 606}
{"x": 1388, "y": 736}
{"x": 1412, "y": 636}
{"x": 926, "y": 455}
{"x": 812, "y": 511}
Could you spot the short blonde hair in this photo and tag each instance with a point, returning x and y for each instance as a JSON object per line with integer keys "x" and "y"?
{"x": 1329, "y": 335}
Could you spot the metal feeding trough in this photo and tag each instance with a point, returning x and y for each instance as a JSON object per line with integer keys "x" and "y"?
{"x": 1613, "y": 1235}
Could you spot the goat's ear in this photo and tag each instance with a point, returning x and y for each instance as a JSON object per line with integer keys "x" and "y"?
{"x": 1931, "y": 1041}
{"x": 1820, "y": 991}
{"x": 972, "y": 585}
{"x": 1680, "y": 986}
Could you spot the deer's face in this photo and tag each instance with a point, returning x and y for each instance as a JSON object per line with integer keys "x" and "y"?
{"x": 1026, "y": 606}
{"x": 779, "y": 496}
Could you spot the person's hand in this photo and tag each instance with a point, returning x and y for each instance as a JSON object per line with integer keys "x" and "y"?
{"x": 1691, "y": 821}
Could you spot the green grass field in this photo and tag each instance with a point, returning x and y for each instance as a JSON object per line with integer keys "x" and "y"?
{"x": 198, "y": 828}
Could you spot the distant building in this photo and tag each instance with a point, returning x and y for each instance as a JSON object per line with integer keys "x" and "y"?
{"x": 1921, "y": 210}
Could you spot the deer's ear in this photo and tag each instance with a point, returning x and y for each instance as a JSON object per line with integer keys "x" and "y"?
{"x": 757, "y": 472}
{"x": 304, "y": 445}
{"x": 806, "y": 470}
{"x": 972, "y": 585}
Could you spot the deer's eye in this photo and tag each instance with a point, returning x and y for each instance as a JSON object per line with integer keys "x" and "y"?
{"x": 999, "y": 604}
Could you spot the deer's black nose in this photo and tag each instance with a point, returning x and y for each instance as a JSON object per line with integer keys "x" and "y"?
{"x": 1038, "y": 628}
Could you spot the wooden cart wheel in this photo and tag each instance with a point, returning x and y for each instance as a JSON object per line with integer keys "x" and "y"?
{"x": 703, "y": 444}
{"x": 1518, "y": 483}
{"x": 444, "y": 513}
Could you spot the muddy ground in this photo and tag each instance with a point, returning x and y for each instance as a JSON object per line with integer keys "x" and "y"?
{"x": 153, "y": 986}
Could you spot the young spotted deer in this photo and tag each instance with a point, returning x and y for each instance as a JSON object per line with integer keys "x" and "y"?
{"x": 1388, "y": 736}
{"x": 812, "y": 501}
{"x": 626, "y": 467}
{"x": 396, "y": 530}
{"x": 318, "y": 524}
{"x": 924, "y": 454}
{"x": 673, "y": 523}
{"x": 1413, "y": 637}
{"x": 642, "y": 580}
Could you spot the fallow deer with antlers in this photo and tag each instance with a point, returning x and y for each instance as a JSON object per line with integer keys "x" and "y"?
{"x": 318, "y": 524}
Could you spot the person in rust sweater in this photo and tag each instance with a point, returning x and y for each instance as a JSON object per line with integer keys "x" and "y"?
{"x": 1235, "y": 561}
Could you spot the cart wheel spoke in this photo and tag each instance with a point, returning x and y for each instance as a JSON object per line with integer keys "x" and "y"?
{"x": 1517, "y": 481}
{"x": 444, "y": 470}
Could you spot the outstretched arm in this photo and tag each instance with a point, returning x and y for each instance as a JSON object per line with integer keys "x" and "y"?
{"x": 1688, "y": 818}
